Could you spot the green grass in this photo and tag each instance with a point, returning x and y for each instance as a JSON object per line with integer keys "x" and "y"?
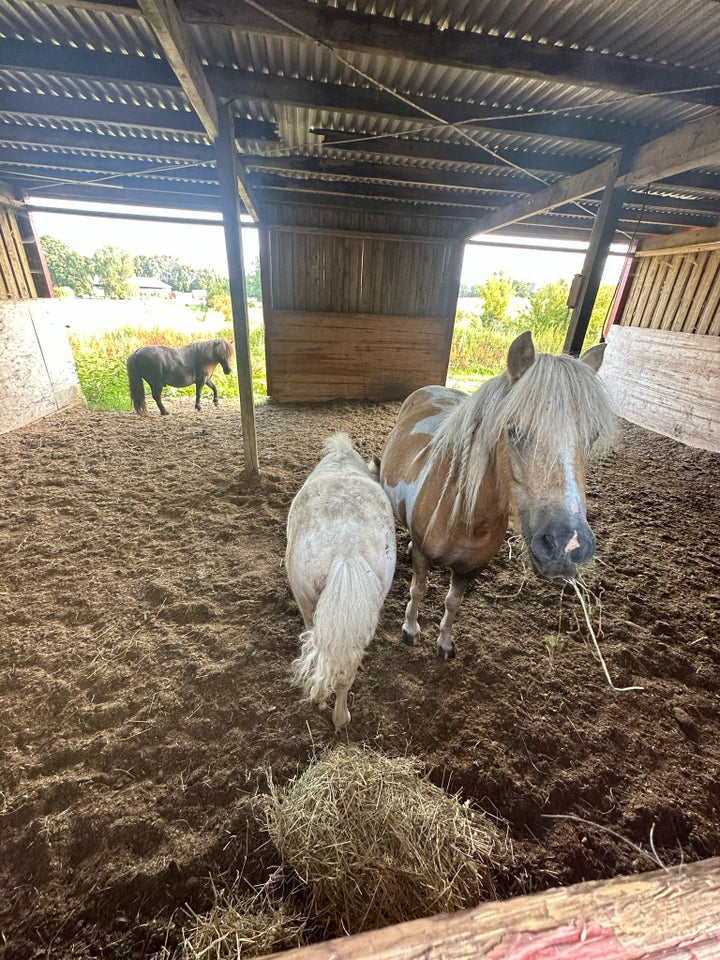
{"x": 100, "y": 361}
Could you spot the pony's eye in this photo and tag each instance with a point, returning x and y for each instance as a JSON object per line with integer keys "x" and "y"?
{"x": 513, "y": 435}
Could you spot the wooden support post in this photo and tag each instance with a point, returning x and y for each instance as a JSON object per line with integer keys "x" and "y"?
{"x": 600, "y": 239}
{"x": 226, "y": 154}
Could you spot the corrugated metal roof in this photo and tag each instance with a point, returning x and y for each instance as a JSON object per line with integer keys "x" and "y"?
{"x": 571, "y": 81}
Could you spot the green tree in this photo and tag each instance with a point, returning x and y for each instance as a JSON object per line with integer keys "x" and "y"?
{"x": 67, "y": 268}
{"x": 496, "y": 293}
{"x": 524, "y": 288}
{"x": 114, "y": 268}
{"x": 548, "y": 307}
{"x": 253, "y": 286}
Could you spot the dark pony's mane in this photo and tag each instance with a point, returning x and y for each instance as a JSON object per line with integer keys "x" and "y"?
{"x": 558, "y": 404}
{"x": 211, "y": 351}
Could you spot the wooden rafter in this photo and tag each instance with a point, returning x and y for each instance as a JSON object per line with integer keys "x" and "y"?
{"x": 163, "y": 17}
{"x": 229, "y": 84}
{"x": 408, "y": 40}
{"x": 681, "y": 150}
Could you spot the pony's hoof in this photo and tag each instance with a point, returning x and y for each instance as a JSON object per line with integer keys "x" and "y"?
{"x": 408, "y": 638}
{"x": 444, "y": 654}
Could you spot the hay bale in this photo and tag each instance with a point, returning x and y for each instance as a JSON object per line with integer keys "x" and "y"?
{"x": 377, "y": 843}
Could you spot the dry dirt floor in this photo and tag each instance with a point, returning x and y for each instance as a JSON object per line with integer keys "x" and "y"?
{"x": 147, "y": 631}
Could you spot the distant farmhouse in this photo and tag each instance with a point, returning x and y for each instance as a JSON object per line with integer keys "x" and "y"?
{"x": 145, "y": 287}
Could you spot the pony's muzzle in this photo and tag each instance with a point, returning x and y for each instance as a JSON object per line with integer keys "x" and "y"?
{"x": 558, "y": 551}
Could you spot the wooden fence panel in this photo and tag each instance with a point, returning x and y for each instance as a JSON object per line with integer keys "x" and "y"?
{"x": 677, "y": 292}
{"x": 323, "y": 356}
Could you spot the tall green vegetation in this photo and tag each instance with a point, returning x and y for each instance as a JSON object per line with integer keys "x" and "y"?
{"x": 481, "y": 339}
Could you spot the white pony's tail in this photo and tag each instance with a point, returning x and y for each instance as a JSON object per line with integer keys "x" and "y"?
{"x": 344, "y": 623}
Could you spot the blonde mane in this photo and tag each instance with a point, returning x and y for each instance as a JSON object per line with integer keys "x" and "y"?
{"x": 558, "y": 404}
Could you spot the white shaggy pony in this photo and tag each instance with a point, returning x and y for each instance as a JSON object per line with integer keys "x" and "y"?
{"x": 340, "y": 561}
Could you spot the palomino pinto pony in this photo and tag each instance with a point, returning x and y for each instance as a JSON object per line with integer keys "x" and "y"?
{"x": 176, "y": 367}
{"x": 455, "y": 467}
{"x": 340, "y": 562}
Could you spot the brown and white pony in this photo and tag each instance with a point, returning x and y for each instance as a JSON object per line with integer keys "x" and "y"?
{"x": 340, "y": 561}
{"x": 455, "y": 467}
{"x": 176, "y": 367}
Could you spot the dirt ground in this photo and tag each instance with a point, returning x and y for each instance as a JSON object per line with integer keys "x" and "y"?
{"x": 147, "y": 631}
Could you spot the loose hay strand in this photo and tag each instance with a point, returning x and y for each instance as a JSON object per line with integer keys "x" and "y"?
{"x": 581, "y": 593}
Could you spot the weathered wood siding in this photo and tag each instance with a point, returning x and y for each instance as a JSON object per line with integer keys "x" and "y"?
{"x": 356, "y": 307}
{"x": 37, "y": 370}
{"x": 16, "y": 278}
{"x": 676, "y": 291}
{"x": 667, "y": 382}
{"x": 663, "y": 356}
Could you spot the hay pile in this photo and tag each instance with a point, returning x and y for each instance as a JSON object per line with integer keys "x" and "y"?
{"x": 365, "y": 840}
{"x": 240, "y": 925}
{"x": 376, "y": 843}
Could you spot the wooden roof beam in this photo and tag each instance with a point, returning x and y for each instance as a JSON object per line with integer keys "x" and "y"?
{"x": 690, "y": 146}
{"x": 566, "y": 191}
{"x": 173, "y": 37}
{"x": 163, "y": 17}
{"x": 464, "y": 49}
{"x": 229, "y": 84}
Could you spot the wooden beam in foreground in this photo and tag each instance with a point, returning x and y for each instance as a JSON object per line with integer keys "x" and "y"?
{"x": 227, "y": 172}
{"x": 670, "y": 914}
{"x": 691, "y": 147}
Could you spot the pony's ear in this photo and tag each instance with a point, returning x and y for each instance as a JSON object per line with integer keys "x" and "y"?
{"x": 594, "y": 356}
{"x": 374, "y": 465}
{"x": 520, "y": 355}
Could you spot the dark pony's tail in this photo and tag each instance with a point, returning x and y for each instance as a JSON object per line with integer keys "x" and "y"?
{"x": 137, "y": 387}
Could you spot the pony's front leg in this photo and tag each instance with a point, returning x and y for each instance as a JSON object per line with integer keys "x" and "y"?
{"x": 212, "y": 386}
{"x": 418, "y": 589}
{"x": 198, "y": 390}
{"x": 458, "y": 586}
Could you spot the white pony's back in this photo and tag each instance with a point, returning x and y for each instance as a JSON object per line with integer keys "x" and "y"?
{"x": 340, "y": 562}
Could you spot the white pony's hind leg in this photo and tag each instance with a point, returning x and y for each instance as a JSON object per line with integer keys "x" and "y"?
{"x": 341, "y": 714}
{"x": 418, "y": 589}
{"x": 445, "y": 644}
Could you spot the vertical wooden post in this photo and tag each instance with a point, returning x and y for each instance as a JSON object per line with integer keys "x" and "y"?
{"x": 600, "y": 239}
{"x": 226, "y": 155}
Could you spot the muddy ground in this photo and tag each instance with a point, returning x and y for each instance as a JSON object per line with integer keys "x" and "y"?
{"x": 147, "y": 629}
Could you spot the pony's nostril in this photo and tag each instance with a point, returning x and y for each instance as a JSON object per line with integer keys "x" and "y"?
{"x": 544, "y": 546}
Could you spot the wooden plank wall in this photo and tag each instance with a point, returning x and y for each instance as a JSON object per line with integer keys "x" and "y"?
{"x": 356, "y": 314}
{"x": 666, "y": 381}
{"x": 16, "y": 278}
{"x": 663, "y": 358}
{"x": 37, "y": 370}
{"x": 676, "y": 291}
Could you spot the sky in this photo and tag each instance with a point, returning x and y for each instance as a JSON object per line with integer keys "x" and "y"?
{"x": 200, "y": 246}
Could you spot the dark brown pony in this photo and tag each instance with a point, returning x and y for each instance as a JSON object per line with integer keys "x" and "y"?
{"x": 176, "y": 367}
{"x": 455, "y": 467}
